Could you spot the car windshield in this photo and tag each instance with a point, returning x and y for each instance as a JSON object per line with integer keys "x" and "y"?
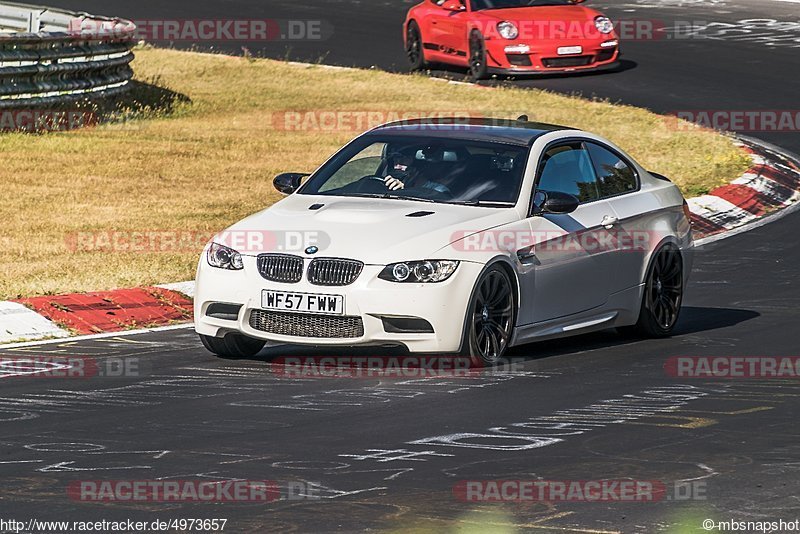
{"x": 478, "y": 5}
{"x": 424, "y": 168}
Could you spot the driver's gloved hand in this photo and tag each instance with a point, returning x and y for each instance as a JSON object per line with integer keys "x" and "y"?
{"x": 393, "y": 183}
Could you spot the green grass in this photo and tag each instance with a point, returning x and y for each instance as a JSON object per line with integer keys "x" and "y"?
{"x": 207, "y": 162}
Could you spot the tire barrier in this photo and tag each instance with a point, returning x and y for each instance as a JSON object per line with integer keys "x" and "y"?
{"x": 51, "y": 57}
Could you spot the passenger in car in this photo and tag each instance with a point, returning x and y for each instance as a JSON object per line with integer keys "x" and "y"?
{"x": 403, "y": 172}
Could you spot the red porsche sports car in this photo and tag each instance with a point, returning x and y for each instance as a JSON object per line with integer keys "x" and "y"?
{"x": 510, "y": 36}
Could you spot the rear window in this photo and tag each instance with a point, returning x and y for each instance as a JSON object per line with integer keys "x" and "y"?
{"x": 614, "y": 175}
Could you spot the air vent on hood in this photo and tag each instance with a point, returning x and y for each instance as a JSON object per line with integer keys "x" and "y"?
{"x": 315, "y": 206}
{"x": 420, "y": 214}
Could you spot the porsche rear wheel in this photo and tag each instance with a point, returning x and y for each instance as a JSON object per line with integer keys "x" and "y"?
{"x": 490, "y": 318}
{"x": 233, "y": 346}
{"x": 414, "y": 50}
{"x": 477, "y": 58}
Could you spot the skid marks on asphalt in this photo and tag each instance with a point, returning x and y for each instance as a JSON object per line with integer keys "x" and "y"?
{"x": 769, "y": 32}
{"x": 98, "y": 357}
{"x": 109, "y": 345}
{"x": 69, "y": 461}
{"x": 384, "y": 391}
{"x": 681, "y": 407}
{"x": 249, "y": 384}
{"x": 55, "y": 454}
{"x": 677, "y": 3}
{"x": 153, "y": 392}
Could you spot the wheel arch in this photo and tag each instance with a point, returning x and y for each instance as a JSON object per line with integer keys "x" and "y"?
{"x": 504, "y": 263}
{"x": 668, "y": 240}
{"x": 406, "y": 26}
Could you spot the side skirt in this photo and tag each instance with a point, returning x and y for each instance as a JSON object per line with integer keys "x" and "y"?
{"x": 622, "y": 309}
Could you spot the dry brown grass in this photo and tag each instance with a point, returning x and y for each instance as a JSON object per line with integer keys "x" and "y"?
{"x": 211, "y": 162}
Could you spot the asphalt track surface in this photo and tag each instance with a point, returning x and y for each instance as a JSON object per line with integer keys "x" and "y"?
{"x": 370, "y": 446}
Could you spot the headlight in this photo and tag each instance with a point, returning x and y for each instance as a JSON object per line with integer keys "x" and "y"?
{"x": 507, "y": 30}
{"x": 223, "y": 257}
{"x": 419, "y": 271}
{"x": 604, "y": 24}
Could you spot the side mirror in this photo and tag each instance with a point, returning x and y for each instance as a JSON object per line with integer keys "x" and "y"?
{"x": 288, "y": 182}
{"x": 557, "y": 202}
{"x": 453, "y": 5}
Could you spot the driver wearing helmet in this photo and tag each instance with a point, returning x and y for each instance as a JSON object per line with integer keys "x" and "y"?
{"x": 402, "y": 173}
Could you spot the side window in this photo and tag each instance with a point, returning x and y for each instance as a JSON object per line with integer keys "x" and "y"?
{"x": 568, "y": 169}
{"x": 614, "y": 176}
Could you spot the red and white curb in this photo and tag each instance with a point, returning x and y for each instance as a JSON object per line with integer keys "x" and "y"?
{"x": 119, "y": 310}
{"x": 769, "y": 186}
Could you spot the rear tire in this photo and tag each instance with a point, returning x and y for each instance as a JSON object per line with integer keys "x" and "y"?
{"x": 414, "y": 49}
{"x": 490, "y": 318}
{"x": 663, "y": 295}
{"x": 233, "y": 346}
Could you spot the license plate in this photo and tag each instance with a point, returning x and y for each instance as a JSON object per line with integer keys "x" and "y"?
{"x": 302, "y": 302}
{"x": 567, "y": 50}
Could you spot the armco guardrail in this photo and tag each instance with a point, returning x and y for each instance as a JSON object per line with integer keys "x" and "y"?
{"x": 50, "y": 56}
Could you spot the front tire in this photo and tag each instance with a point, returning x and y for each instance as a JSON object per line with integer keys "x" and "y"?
{"x": 233, "y": 346}
{"x": 663, "y": 295}
{"x": 478, "y": 70}
{"x": 490, "y": 318}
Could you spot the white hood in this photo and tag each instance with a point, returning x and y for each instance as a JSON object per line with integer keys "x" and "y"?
{"x": 375, "y": 231}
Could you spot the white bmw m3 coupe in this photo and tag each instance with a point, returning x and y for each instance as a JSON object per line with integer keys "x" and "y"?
{"x": 451, "y": 236}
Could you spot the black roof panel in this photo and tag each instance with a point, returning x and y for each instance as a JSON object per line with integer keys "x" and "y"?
{"x": 484, "y": 129}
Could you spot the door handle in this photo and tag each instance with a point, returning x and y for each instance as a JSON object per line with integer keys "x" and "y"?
{"x": 609, "y": 221}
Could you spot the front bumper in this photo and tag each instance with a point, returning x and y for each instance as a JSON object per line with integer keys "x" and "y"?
{"x": 369, "y": 299}
{"x": 512, "y": 57}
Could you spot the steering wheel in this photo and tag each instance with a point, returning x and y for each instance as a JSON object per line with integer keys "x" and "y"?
{"x": 370, "y": 183}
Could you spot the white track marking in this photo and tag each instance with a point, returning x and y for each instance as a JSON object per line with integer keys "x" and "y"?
{"x": 99, "y": 336}
{"x": 709, "y": 472}
{"x": 16, "y": 367}
{"x": 65, "y": 447}
{"x": 607, "y": 412}
{"x": 67, "y": 466}
{"x": 187, "y": 288}
{"x": 18, "y": 322}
